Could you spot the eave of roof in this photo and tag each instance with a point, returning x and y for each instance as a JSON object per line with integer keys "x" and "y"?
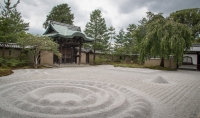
{"x": 51, "y": 35}
{"x": 64, "y": 31}
{"x": 12, "y": 45}
{"x": 194, "y": 48}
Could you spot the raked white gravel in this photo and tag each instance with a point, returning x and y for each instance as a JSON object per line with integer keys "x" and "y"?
{"x": 100, "y": 92}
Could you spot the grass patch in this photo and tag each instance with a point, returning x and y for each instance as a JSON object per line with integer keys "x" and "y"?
{"x": 161, "y": 68}
{"x": 129, "y": 65}
{"x": 23, "y": 67}
{"x": 8, "y": 70}
{"x": 142, "y": 66}
{"x": 5, "y": 71}
{"x": 44, "y": 66}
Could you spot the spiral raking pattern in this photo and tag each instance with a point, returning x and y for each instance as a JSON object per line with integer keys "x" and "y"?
{"x": 71, "y": 99}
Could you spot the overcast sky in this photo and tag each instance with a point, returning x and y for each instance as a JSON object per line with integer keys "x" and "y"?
{"x": 118, "y": 13}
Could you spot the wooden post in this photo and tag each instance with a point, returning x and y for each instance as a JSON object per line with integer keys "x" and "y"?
{"x": 73, "y": 50}
{"x": 80, "y": 46}
{"x": 87, "y": 57}
{"x": 60, "y": 51}
{"x": 177, "y": 65}
{"x": 65, "y": 56}
{"x": 198, "y": 61}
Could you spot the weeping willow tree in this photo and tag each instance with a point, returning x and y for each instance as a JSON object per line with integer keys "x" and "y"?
{"x": 164, "y": 37}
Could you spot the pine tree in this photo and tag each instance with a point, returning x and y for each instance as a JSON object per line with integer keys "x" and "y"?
{"x": 139, "y": 34}
{"x": 111, "y": 32}
{"x": 11, "y": 24}
{"x": 120, "y": 39}
{"x": 129, "y": 39}
{"x": 120, "y": 43}
{"x": 97, "y": 29}
{"x": 60, "y": 13}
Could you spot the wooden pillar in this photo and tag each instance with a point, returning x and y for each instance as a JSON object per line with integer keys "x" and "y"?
{"x": 198, "y": 61}
{"x": 60, "y": 50}
{"x": 64, "y": 48}
{"x": 80, "y": 46}
{"x": 87, "y": 57}
{"x": 73, "y": 49}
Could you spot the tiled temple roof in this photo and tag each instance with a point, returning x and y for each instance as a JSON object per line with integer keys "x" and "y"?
{"x": 66, "y": 31}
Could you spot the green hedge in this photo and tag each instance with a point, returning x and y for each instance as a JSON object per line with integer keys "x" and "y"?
{"x": 13, "y": 62}
{"x": 100, "y": 61}
{"x": 142, "y": 66}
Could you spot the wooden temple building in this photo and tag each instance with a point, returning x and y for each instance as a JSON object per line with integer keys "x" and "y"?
{"x": 70, "y": 40}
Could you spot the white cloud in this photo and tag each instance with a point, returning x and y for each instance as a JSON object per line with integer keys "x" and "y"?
{"x": 118, "y": 13}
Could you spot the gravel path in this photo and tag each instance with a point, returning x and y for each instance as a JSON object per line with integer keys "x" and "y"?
{"x": 100, "y": 92}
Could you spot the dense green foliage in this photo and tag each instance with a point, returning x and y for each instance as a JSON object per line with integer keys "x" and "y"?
{"x": 60, "y": 13}
{"x": 130, "y": 42}
{"x": 157, "y": 36}
{"x": 38, "y": 46}
{"x": 190, "y": 17}
{"x": 125, "y": 42}
{"x": 13, "y": 62}
{"x": 140, "y": 33}
{"x": 120, "y": 48}
{"x": 111, "y": 32}
{"x": 197, "y": 40}
{"x": 11, "y": 24}
{"x": 100, "y": 61}
{"x": 142, "y": 66}
{"x": 97, "y": 29}
{"x": 163, "y": 37}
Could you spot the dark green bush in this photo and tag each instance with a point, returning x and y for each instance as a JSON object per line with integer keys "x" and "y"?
{"x": 142, "y": 66}
{"x": 13, "y": 62}
{"x": 99, "y": 61}
{"x": 1, "y": 60}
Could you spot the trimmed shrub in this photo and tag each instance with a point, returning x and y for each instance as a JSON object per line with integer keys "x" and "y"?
{"x": 99, "y": 61}
{"x": 13, "y": 62}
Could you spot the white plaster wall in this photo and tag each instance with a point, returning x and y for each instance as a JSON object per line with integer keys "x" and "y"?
{"x": 194, "y": 58}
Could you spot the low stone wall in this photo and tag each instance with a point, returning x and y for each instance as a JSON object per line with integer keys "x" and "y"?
{"x": 46, "y": 58}
{"x": 156, "y": 61}
{"x": 11, "y": 52}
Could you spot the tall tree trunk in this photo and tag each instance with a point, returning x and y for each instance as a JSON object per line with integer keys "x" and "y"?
{"x": 79, "y": 62}
{"x": 94, "y": 49}
{"x": 177, "y": 65}
{"x": 94, "y": 55}
{"x": 162, "y": 62}
{"x": 112, "y": 56}
{"x": 35, "y": 62}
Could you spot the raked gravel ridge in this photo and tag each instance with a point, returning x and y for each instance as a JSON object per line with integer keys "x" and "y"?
{"x": 100, "y": 92}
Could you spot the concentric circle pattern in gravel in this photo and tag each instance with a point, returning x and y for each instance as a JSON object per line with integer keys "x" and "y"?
{"x": 71, "y": 99}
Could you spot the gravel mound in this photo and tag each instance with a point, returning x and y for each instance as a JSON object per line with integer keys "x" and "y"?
{"x": 160, "y": 80}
